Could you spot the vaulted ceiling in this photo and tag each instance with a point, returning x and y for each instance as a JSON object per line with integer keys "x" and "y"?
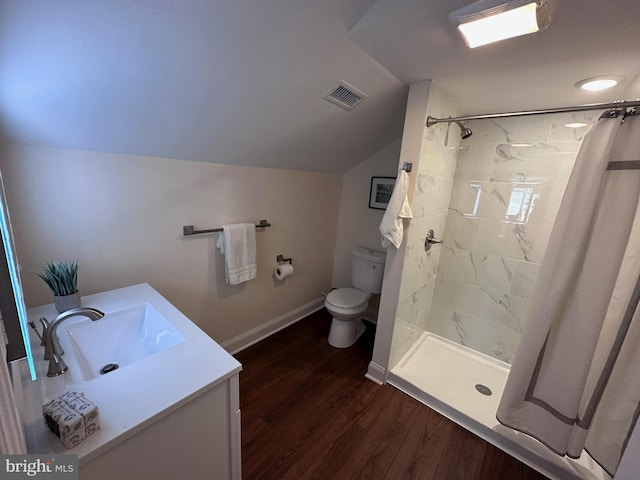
{"x": 240, "y": 82}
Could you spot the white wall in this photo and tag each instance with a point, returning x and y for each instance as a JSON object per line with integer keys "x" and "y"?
{"x": 412, "y": 139}
{"x": 358, "y": 224}
{"x": 433, "y": 180}
{"x": 121, "y": 216}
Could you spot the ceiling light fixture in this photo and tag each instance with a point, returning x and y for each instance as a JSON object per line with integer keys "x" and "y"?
{"x": 488, "y": 21}
{"x": 596, "y": 84}
{"x": 575, "y": 125}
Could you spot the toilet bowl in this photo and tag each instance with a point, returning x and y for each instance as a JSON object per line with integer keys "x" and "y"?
{"x": 347, "y": 305}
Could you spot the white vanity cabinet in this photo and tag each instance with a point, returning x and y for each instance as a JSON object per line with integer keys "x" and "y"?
{"x": 200, "y": 440}
{"x": 168, "y": 414}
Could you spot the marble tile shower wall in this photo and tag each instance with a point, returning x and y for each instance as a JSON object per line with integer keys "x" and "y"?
{"x": 433, "y": 182}
{"x": 510, "y": 178}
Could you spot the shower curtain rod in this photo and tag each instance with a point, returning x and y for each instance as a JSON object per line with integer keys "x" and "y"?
{"x": 431, "y": 121}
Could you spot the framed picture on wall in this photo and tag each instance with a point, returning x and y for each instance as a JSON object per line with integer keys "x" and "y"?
{"x": 381, "y": 190}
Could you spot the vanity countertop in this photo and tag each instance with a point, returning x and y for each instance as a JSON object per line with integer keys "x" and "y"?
{"x": 132, "y": 397}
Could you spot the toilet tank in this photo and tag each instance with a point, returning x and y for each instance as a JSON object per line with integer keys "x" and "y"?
{"x": 367, "y": 269}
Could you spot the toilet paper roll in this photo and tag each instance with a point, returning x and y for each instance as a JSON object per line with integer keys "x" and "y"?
{"x": 283, "y": 271}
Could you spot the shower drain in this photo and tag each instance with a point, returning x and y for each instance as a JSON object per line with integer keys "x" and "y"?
{"x": 483, "y": 389}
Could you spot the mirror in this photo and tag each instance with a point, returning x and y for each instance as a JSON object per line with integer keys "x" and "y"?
{"x": 14, "y": 313}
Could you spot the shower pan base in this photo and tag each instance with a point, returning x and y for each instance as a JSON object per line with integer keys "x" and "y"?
{"x": 443, "y": 375}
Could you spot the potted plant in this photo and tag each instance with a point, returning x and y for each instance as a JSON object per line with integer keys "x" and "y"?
{"x": 62, "y": 279}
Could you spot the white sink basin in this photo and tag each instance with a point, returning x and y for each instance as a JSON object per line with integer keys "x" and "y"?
{"x": 120, "y": 338}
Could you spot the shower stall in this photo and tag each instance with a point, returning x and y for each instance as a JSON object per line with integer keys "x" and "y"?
{"x": 491, "y": 198}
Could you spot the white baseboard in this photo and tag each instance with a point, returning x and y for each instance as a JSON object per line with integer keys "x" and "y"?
{"x": 267, "y": 329}
{"x": 376, "y": 374}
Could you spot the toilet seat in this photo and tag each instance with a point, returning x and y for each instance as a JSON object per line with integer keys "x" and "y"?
{"x": 347, "y": 299}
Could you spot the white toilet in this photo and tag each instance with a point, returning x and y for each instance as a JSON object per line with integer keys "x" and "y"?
{"x": 347, "y": 305}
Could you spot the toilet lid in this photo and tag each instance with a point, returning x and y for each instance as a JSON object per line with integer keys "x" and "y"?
{"x": 347, "y": 297}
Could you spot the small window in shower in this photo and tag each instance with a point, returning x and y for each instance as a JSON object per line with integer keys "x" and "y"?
{"x": 521, "y": 204}
{"x": 476, "y": 203}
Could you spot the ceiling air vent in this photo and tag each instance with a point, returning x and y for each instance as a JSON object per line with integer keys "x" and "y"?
{"x": 345, "y": 96}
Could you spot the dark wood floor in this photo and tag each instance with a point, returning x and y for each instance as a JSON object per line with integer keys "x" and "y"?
{"x": 309, "y": 413}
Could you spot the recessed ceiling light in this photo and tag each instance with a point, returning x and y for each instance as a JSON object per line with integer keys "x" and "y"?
{"x": 596, "y": 84}
{"x": 575, "y": 125}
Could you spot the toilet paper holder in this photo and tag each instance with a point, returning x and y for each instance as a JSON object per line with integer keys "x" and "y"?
{"x": 280, "y": 259}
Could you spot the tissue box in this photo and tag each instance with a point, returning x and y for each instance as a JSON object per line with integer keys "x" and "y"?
{"x": 64, "y": 422}
{"x": 86, "y": 408}
{"x": 71, "y": 417}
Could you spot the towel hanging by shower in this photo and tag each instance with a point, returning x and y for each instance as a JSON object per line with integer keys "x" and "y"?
{"x": 398, "y": 209}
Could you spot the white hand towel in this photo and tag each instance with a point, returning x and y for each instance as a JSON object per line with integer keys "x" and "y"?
{"x": 392, "y": 225}
{"x": 238, "y": 244}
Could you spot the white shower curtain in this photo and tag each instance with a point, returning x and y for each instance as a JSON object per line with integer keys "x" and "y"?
{"x": 575, "y": 381}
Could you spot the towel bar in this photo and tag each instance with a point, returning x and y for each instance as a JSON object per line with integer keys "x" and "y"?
{"x": 190, "y": 230}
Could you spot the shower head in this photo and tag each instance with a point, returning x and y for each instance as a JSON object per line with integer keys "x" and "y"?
{"x": 465, "y": 132}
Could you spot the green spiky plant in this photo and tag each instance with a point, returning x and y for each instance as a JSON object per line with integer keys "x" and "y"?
{"x": 61, "y": 277}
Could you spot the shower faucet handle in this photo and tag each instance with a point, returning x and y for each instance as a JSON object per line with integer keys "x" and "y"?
{"x": 430, "y": 240}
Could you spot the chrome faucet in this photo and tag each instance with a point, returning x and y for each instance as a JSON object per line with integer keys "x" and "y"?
{"x": 52, "y": 349}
